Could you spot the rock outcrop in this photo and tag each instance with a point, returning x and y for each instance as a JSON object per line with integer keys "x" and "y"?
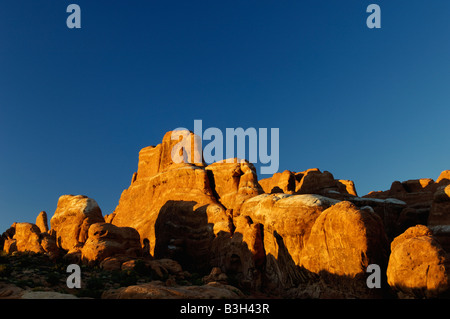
{"x": 172, "y": 206}
{"x": 72, "y": 219}
{"x": 233, "y": 181}
{"x": 311, "y": 181}
{"x": 107, "y": 240}
{"x": 390, "y": 211}
{"x": 444, "y": 178}
{"x": 209, "y": 231}
{"x": 27, "y": 238}
{"x": 344, "y": 241}
{"x": 419, "y": 196}
{"x": 41, "y": 222}
{"x": 418, "y": 266}
{"x": 242, "y": 256}
{"x": 285, "y": 222}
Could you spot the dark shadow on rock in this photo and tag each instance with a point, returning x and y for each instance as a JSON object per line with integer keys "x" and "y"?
{"x": 212, "y": 184}
{"x": 405, "y": 292}
{"x": 242, "y": 265}
{"x": 281, "y": 271}
{"x": 276, "y": 190}
{"x": 182, "y": 233}
{"x": 410, "y": 217}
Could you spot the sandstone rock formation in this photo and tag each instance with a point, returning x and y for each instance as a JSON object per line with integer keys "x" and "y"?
{"x": 419, "y": 195}
{"x": 301, "y": 234}
{"x": 106, "y": 240}
{"x": 241, "y": 256}
{"x": 41, "y": 222}
{"x": 284, "y": 182}
{"x": 9, "y": 245}
{"x": 233, "y": 181}
{"x": 72, "y": 219}
{"x": 444, "y": 178}
{"x": 286, "y": 222}
{"x": 344, "y": 241}
{"x": 27, "y": 238}
{"x": 418, "y": 266}
{"x": 311, "y": 181}
{"x": 172, "y": 206}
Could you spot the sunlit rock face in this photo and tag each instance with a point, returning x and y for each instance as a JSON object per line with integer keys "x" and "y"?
{"x": 72, "y": 219}
{"x": 418, "y": 266}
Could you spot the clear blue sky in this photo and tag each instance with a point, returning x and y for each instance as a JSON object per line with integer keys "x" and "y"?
{"x": 76, "y": 106}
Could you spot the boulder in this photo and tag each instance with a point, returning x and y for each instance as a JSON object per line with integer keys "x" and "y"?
{"x": 418, "y": 266}
{"x": 279, "y": 183}
{"x": 72, "y": 219}
{"x": 157, "y": 290}
{"x": 48, "y": 243}
{"x": 160, "y": 268}
{"x": 285, "y": 222}
{"x": 107, "y": 240}
{"x": 41, "y": 222}
{"x": 27, "y": 238}
{"x": 114, "y": 263}
{"x": 343, "y": 242}
{"x": 316, "y": 182}
{"x": 163, "y": 267}
{"x": 216, "y": 275}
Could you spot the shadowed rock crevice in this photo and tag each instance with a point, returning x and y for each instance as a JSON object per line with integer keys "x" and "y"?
{"x": 183, "y": 233}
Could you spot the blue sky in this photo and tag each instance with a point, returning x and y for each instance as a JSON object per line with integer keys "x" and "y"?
{"x": 76, "y": 106}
